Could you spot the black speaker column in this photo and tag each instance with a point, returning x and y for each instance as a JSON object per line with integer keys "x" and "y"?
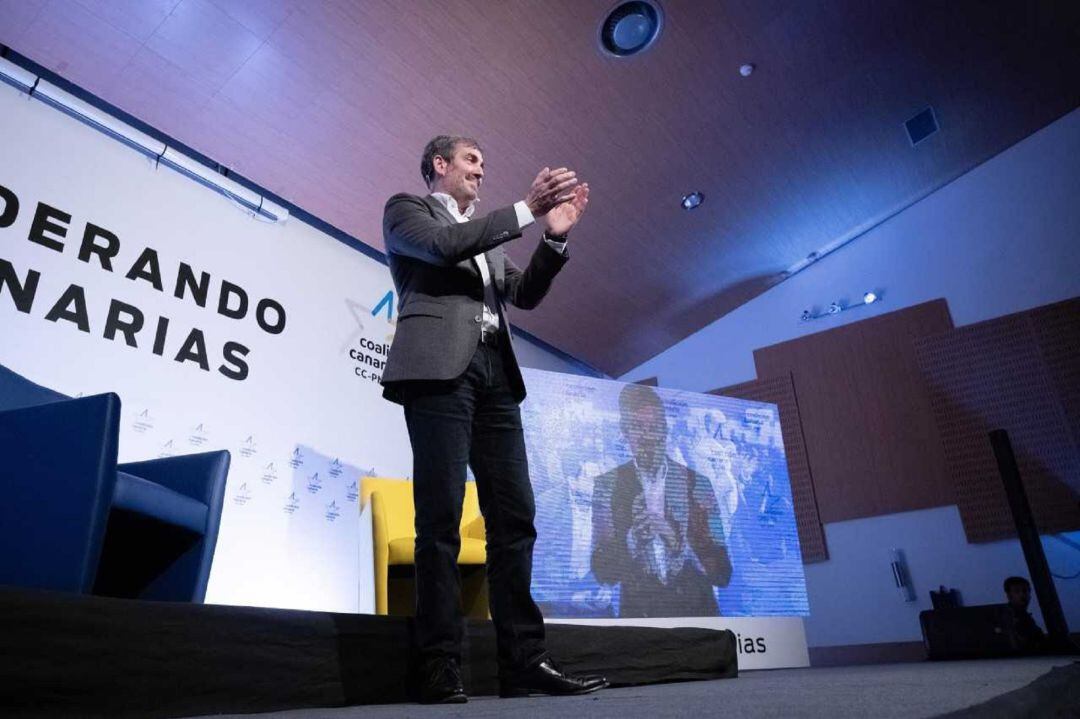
{"x": 1028, "y": 533}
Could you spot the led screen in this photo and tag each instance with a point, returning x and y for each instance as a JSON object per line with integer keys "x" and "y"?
{"x": 658, "y": 503}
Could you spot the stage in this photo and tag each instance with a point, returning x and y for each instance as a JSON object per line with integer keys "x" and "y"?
{"x": 64, "y": 655}
{"x": 68, "y": 655}
{"x": 923, "y": 689}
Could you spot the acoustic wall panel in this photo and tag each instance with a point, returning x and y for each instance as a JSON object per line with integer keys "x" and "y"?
{"x": 1014, "y": 373}
{"x": 1057, "y": 330}
{"x": 871, "y": 440}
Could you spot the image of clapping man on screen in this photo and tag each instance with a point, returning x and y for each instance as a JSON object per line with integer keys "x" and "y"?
{"x": 657, "y": 529}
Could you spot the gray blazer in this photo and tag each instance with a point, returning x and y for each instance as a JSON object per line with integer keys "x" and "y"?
{"x": 441, "y": 293}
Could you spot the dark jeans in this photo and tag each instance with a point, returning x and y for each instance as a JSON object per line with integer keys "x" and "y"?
{"x": 473, "y": 420}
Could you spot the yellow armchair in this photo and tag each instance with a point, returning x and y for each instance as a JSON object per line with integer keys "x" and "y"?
{"x": 394, "y": 532}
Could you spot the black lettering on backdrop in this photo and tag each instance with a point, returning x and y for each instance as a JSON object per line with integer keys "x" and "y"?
{"x": 234, "y": 355}
{"x": 104, "y": 252}
{"x": 147, "y": 268}
{"x": 185, "y": 277}
{"x": 49, "y": 228}
{"x": 194, "y": 349}
{"x": 127, "y": 326}
{"x": 22, "y": 293}
{"x": 159, "y": 336}
{"x": 750, "y": 645}
{"x": 11, "y": 207}
{"x": 45, "y": 221}
{"x": 227, "y": 289}
{"x": 76, "y": 296}
{"x": 260, "y": 316}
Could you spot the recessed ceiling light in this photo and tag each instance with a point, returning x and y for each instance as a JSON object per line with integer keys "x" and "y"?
{"x": 747, "y": 69}
{"x": 692, "y": 200}
{"x": 631, "y": 27}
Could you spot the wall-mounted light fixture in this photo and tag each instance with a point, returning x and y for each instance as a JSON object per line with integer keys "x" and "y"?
{"x": 37, "y": 88}
{"x": 839, "y": 306}
{"x": 901, "y": 575}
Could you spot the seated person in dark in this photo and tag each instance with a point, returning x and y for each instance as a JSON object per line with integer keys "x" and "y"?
{"x": 656, "y": 526}
{"x": 1029, "y": 635}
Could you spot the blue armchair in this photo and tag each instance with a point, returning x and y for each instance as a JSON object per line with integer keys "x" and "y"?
{"x": 73, "y": 519}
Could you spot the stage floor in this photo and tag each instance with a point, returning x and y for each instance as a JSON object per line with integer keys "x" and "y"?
{"x": 923, "y": 689}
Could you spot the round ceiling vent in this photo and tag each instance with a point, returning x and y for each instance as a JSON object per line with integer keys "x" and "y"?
{"x": 631, "y": 27}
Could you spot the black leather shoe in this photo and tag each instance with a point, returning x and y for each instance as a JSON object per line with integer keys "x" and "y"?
{"x": 547, "y": 678}
{"x": 440, "y": 682}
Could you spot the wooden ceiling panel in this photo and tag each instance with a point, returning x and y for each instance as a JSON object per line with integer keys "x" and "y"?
{"x": 260, "y": 17}
{"x": 15, "y": 17}
{"x": 106, "y": 50}
{"x": 137, "y": 18}
{"x": 329, "y": 103}
{"x": 159, "y": 93}
{"x": 203, "y": 41}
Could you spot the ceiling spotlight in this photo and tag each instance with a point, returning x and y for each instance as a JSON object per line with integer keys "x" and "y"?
{"x": 835, "y": 308}
{"x": 806, "y": 316}
{"x": 747, "y": 69}
{"x": 631, "y": 27}
{"x": 870, "y": 298}
{"x": 692, "y": 201}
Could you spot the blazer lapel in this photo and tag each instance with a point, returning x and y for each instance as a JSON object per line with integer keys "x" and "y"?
{"x": 441, "y": 213}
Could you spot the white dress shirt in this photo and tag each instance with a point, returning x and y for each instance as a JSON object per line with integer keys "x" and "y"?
{"x": 652, "y": 488}
{"x": 525, "y": 218}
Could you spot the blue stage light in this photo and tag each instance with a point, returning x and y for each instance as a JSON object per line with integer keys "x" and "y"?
{"x": 692, "y": 200}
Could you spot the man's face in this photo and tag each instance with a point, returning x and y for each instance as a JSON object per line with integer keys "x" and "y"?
{"x": 461, "y": 176}
{"x": 1019, "y": 595}
{"x": 645, "y": 429}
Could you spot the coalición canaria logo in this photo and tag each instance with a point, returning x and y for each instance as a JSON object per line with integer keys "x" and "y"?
{"x": 125, "y": 322}
{"x": 369, "y": 355}
{"x": 297, "y": 459}
{"x": 167, "y": 449}
{"x": 242, "y": 496}
{"x": 143, "y": 422}
{"x": 198, "y": 436}
{"x": 248, "y": 448}
{"x": 269, "y": 475}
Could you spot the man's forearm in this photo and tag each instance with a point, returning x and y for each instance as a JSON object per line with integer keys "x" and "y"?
{"x": 525, "y": 289}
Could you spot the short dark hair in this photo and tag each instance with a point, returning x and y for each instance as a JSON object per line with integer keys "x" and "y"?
{"x": 1015, "y": 582}
{"x": 636, "y": 396}
{"x": 442, "y": 146}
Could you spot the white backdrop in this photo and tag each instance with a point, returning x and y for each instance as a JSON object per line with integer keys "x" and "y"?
{"x": 302, "y": 427}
